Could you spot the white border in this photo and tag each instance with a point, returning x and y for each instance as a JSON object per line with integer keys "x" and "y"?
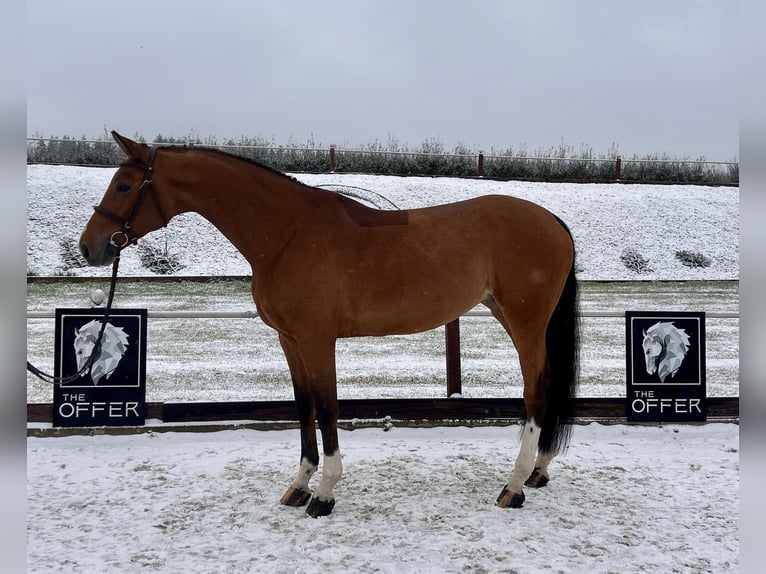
{"x": 104, "y": 386}
{"x": 633, "y": 382}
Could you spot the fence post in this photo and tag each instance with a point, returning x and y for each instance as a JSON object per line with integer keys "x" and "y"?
{"x": 618, "y": 168}
{"x": 452, "y": 340}
{"x": 481, "y": 164}
{"x": 332, "y": 158}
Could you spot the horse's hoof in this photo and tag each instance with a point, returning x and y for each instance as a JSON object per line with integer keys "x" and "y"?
{"x": 508, "y": 499}
{"x": 319, "y": 507}
{"x": 537, "y": 479}
{"x": 295, "y": 497}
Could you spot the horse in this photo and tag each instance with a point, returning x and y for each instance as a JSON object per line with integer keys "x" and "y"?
{"x": 665, "y": 347}
{"x": 326, "y": 267}
{"x": 113, "y": 346}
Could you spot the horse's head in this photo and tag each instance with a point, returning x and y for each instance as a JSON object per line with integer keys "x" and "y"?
{"x": 108, "y": 357}
{"x": 124, "y": 215}
{"x": 653, "y": 351}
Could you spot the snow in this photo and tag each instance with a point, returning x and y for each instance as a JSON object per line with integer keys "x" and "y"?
{"x": 605, "y": 219}
{"x": 623, "y": 498}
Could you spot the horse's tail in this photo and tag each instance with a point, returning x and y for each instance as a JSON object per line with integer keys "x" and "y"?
{"x": 562, "y": 341}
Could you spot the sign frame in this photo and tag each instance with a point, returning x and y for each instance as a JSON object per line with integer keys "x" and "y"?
{"x": 677, "y": 389}
{"x": 114, "y": 392}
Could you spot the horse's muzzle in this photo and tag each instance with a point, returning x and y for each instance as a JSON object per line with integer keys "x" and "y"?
{"x": 98, "y": 257}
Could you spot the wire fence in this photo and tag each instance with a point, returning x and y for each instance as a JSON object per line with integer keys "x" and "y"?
{"x": 308, "y": 159}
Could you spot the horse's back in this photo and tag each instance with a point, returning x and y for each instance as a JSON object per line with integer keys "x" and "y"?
{"x": 435, "y": 263}
{"x": 506, "y": 217}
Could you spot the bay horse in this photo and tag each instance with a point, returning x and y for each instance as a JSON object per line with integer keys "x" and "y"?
{"x": 325, "y": 266}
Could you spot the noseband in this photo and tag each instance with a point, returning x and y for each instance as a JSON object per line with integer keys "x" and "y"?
{"x": 124, "y": 236}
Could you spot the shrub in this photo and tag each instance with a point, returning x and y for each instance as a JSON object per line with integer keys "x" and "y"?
{"x": 158, "y": 260}
{"x": 635, "y": 262}
{"x": 692, "y": 259}
{"x": 431, "y": 158}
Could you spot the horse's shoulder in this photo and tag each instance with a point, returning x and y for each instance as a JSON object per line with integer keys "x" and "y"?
{"x": 364, "y": 216}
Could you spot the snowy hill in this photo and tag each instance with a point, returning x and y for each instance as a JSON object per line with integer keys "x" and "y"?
{"x": 608, "y": 221}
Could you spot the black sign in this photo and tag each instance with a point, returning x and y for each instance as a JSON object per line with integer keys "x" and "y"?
{"x": 113, "y": 391}
{"x": 665, "y": 366}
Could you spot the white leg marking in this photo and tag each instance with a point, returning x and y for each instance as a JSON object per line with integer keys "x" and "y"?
{"x": 332, "y": 469}
{"x": 305, "y": 471}
{"x": 542, "y": 462}
{"x": 525, "y": 463}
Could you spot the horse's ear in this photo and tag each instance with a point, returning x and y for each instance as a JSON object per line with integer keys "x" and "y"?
{"x": 133, "y": 150}
{"x": 76, "y": 331}
{"x": 644, "y": 332}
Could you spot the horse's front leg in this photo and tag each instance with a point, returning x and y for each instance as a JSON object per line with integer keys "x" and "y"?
{"x": 313, "y": 368}
{"x": 299, "y": 491}
{"x": 332, "y": 468}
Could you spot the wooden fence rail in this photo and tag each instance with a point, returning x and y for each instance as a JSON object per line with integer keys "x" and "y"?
{"x": 452, "y": 408}
{"x": 363, "y": 412}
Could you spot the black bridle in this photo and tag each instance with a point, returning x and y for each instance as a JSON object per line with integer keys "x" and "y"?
{"x": 126, "y": 223}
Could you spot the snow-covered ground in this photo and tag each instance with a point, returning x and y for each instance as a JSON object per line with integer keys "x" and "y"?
{"x": 624, "y": 498}
{"x": 605, "y": 219}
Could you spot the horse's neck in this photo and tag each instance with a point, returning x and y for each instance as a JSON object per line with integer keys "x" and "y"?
{"x": 256, "y": 209}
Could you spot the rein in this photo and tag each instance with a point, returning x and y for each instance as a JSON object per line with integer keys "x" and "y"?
{"x": 126, "y": 223}
{"x": 86, "y": 368}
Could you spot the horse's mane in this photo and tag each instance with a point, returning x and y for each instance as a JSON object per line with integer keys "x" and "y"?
{"x": 679, "y": 336}
{"x": 355, "y": 200}
{"x": 185, "y": 148}
{"x": 345, "y": 191}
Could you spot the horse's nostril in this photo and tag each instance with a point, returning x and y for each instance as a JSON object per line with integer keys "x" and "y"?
{"x": 84, "y": 251}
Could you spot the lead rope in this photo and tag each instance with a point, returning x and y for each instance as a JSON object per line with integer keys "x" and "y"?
{"x": 86, "y": 368}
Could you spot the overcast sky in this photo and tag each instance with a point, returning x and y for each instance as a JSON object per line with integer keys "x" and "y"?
{"x": 651, "y": 76}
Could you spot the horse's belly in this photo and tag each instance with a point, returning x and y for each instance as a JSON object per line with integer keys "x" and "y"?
{"x": 410, "y": 313}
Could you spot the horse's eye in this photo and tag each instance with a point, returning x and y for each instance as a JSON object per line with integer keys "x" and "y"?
{"x": 123, "y": 187}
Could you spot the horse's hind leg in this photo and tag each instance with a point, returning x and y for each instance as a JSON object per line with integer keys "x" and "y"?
{"x": 527, "y": 470}
{"x": 534, "y": 373}
{"x": 540, "y": 476}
